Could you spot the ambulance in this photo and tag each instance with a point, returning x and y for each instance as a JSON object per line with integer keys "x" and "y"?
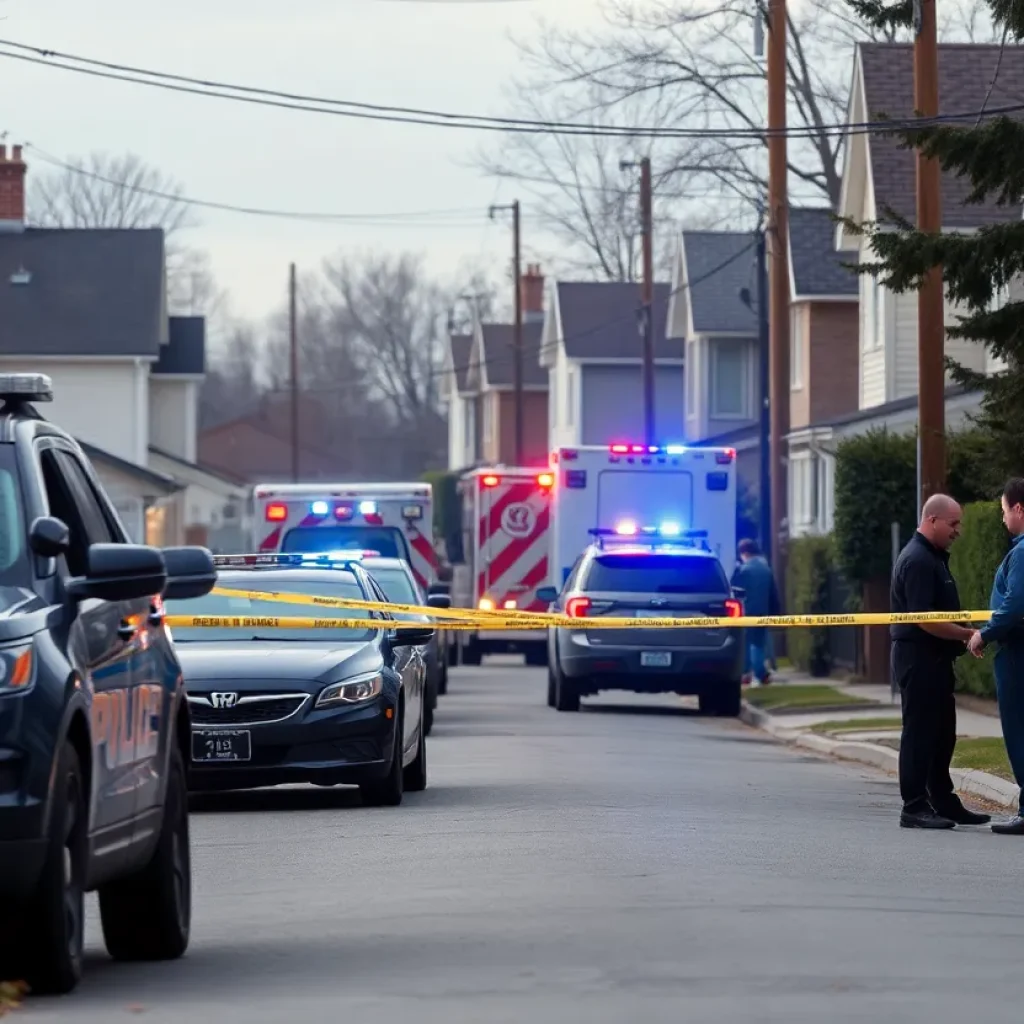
{"x": 394, "y": 520}
{"x": 506, "y": 530}
{"x": 667, "y": 491}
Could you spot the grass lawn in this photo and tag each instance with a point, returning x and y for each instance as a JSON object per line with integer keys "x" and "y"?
{"x": 986, "y": 755}
{"x": 773, "y": 698}
{"x": 858, "y": 725}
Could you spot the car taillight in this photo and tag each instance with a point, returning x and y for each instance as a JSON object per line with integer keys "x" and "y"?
{"x": 577, "y": 607}
{"x": 277, "y": 513}
{"x": 733, "y": 609}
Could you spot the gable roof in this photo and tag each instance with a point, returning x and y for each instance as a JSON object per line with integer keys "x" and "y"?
{"x": 89, "y": 292}
{"x": 815, "y": 265}
{"x": 185, "y": 351}
{"x": 718, "y": 264}
{"x": 498, "y": 343}
{"x": 966, "y": 71}
{"x": 599, "y": 320}
{"x": 460, "y": 347}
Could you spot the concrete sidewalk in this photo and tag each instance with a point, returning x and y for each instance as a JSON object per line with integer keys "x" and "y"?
{"x": 877, "y": 747}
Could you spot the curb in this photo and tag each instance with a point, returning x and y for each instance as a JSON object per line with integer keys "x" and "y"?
{"x": 980, "y": 784}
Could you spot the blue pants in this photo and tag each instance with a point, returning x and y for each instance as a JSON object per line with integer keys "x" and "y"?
{"x": 1009, "y": 673}
{"x": 757, "y": 650}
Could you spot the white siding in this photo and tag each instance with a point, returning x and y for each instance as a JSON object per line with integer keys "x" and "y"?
{"x": 172, "y": 416}
{"x": 564, "y": 414}
{"x": 967, "y": 353}
{"x": 101, "y": 402}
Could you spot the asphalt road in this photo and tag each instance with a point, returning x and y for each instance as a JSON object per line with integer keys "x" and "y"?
{"x": 618, "y": 865}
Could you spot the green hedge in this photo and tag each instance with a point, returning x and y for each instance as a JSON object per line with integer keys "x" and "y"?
{"x": 811, "y": 559}
{"x": 876, "y": 484}
{"x": 973, "y": 561}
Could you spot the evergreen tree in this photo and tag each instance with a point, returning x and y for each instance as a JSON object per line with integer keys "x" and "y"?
{"x": 977, "y": 268}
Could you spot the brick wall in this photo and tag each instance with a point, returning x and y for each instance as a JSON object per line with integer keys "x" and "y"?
{"x": 831, "y": 364}
{"x": 535, "y": 429}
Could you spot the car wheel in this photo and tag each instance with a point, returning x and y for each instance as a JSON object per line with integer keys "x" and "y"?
{"x": 428, "y": 720}
{"x": 442, "y": 681}
{"x": 415, "y": 776}
{"x": 55, "y": 918}
{"x": 567, "y": 696}
{"x": 387, "y": 792}
{"x": 471, "y": 654}
{"x": 552, "y": 686}
{"x": 148, "y": 915}
{"x": 537, "y": 656}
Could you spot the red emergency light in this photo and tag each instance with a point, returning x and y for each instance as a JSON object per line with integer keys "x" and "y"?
{"x": 343, "y": 512}
{"x": 546, "y": 480}
{"x": 490, "y": 480}
{"x": 277, "y": 512}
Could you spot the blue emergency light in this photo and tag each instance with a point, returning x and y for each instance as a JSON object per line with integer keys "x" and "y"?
{"x": 319, "y": 508}
{"x": 322, "y": 559}
{"x": 367, "y": 508}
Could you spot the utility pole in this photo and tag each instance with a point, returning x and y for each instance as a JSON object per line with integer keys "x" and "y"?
{"x": 647, "y": 217}
{"x": 293, "y": 344}
{"x": 517, "y": 344}
{"x": 778, "y": 275}
{"x": 763, "y": 341}
{"x": 931, "y": 370}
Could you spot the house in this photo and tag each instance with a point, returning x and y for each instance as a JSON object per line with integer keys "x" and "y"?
{"x": 591, "y": 351}
{"x": 460, "y": 403}
{"x": 824, "y": 359}
{"x": 88, "y": 307}
{"x": 489, "y": 429}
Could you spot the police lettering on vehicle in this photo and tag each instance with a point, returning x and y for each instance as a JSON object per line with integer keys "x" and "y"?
{"x": 126, "y": 724}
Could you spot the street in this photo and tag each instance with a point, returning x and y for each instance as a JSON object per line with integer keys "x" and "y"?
{"x": 634, "y": 862}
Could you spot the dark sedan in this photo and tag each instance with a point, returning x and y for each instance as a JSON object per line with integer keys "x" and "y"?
{"x": 329, "y": 706}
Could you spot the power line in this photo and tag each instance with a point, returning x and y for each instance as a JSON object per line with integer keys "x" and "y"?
{"x": 434, "y": 118}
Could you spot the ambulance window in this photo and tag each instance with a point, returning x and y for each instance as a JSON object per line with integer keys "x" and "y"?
{"x": 386, "y": 541}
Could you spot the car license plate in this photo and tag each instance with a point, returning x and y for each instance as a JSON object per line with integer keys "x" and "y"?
{"x": 222, "y": 745}
{"x": 656, "y": 659}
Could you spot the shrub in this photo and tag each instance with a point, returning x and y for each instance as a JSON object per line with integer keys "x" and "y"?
{"x": 973, "y": 562}
{"x": 811, "y": 560}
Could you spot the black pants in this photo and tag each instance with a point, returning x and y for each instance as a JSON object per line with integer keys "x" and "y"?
{"x": 926, "y": 683}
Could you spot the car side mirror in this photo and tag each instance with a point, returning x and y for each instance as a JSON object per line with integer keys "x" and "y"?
{"x": 120, "y": 572}
{"x": 439, "y": 601}
{"x": 190, "y": 573}
{"x": 49, "y": 537}
{"x": 549, "y": 595}
{"x": 413, "y": 637}
{"x": 438, "y": 590}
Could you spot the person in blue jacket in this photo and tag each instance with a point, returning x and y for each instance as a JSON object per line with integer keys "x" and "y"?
{"x": 755, "y": 576}
{"x": 1006, "y": 629}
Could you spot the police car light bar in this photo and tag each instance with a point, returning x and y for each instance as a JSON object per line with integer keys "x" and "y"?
{"x": 28, "y": 387}
{"x": 627, "y": 528}
{"x": 296, "y": 559}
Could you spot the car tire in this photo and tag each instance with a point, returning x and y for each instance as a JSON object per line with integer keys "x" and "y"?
{"x": 55, "y": 917}
{"x": 567, "y": 696}
{"x": 415, "y": 776}
{"x": 552, "y": 686}
{"x": 442, "y": 679}
{"x": 428, "y": 720}
{"x": 387, "y": 792}
{"x": 537, "y": 656}
{"x": 471, "y": 654}
{"x": 148, "y": 915}
{"x": 724, "y": 702}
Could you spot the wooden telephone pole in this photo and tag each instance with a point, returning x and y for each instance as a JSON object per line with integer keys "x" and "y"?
{"x": 647, "y": 323}
{"x": 517, "y": 343}
{"x": 778, "y": 277}
{"x": 931, "y": 332}
{"x": 293, "y": 349}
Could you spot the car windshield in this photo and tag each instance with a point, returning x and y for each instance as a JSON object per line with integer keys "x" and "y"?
{"x": 397, "y": 587}
{"x": 343, "y": 585}
{"x": 14, "y": 565}
{"x": 386, "y": 541}
{"x": 655, "y": 574}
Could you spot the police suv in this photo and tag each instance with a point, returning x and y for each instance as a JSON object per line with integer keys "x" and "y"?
{"x": 94, "y": 726}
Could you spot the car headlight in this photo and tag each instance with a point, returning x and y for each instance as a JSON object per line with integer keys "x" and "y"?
{"x": 351, "y": 691}
{"x": 17, "y": 669}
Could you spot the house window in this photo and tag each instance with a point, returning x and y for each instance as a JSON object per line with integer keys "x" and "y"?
{"x": 796, "y": 348}
{"x": 803, "y": 490}
{"x": 730, "y": 383}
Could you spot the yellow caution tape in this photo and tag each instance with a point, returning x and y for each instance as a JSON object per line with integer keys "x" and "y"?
{"x": 598, "y": 622}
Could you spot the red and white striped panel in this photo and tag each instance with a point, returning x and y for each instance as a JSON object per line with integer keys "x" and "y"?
{"x": 512, "y": 543}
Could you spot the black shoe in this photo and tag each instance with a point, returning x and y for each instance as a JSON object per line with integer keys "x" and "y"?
{"x": 1013, "y": 827}
{"x": 926, "y": 818}
{"x": 962, "y": 816}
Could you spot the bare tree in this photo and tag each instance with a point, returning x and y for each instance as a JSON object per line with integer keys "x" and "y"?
{"x": 232, "y": 386}
{"x": 674, "y": 64}
{"x": 104, "y": 190}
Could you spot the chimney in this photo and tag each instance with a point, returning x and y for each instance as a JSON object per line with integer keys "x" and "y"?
{"x": 12, "y": 190}
{"x": 531, "y": 291}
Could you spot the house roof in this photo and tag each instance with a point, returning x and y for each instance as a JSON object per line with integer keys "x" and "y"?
{"x": 816, "y": 266}
{"x": 185, "y": 351}
{"x": 599, "y": 320}
{"x": 966, "y": 71}
{"x": 718, "y": 265}
{"x": 163, "y": 483}
{"x": 197, "y": 467}
{"x": 461, "y": 347}
{"x": 498, "y": 346}
{"x": 95, "y": 292}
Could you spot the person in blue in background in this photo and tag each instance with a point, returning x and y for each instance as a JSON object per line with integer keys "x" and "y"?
{"x": 1006, "y": 629}
{"x": 761, "y": 597}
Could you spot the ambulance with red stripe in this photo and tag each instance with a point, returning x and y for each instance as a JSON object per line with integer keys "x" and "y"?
{"x": 506, "y": 530}
{"x": 394, "y": 520}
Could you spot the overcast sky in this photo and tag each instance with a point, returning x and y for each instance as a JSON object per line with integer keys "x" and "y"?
{"x": 449, "y": 56}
